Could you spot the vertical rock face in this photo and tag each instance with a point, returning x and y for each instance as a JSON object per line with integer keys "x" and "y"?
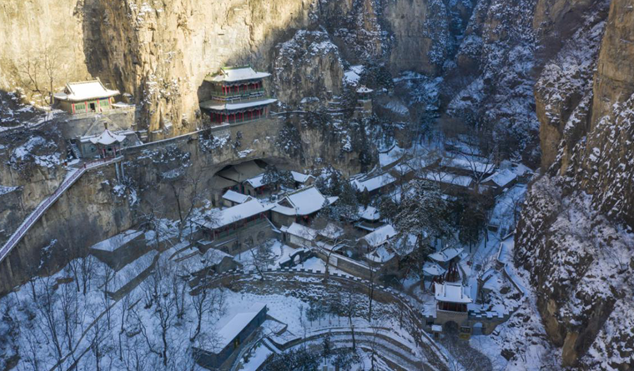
{"x": 30, "y": 172}
{"x": 308, "y": 65}
{"x": 614, "y": 81}
{"x": 160, "y": 51}
{"x": 34, "y": 31}
{"x": 576, "y": 232}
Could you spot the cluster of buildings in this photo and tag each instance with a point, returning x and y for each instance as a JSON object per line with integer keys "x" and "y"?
{"x": 98, "y": 126}
{"x": 248, "y": 210}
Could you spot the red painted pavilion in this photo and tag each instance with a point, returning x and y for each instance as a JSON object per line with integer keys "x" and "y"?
{"x": 237, "y": 96}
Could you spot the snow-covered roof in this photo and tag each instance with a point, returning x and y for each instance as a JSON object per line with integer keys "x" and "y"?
{"x": 236, "y": 197}
{"x": 369, "y": 213}
{"x": 228, "y": 74}
{"x": 302, "y": 231}
{"x": 85, "y": 90}
{"x": 446, "y": 254}
{"x": 521, "y": 170}
{"x": 115, "y": 242}
{"x": 107, "y": 138}
{"x": 236, "y": 324}
{"x": 447, "y": 178}
{"x": 222, "y": 183}
{"x": 353, "y": 75}
{"x": 303, "y": 202}
{"x": 469, "y": 164}
{"x": 381, "y": 255}
{"x": 241, "y": 172}
{"x": 389, "y": 157}
{"x": 433, "y": 269}
{"x": 501, "y": 178}
{"x": 380, "y": 236}
{"x": 238, "y": 212}
{"x": 222, "y": 106}
{"x": 451, "y": 292}
{"x": 256, "y": 181}
{"x": 364, "y": 90}
{"x": 331, "y": 231}
{"x": 406, "y": 243}
{"x": 300, "y": 178}
{"x": 132, "y": 270}
{"x": 374, "y": 183}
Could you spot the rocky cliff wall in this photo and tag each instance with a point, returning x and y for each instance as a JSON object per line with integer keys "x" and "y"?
{"x": 576, "y": 236}
{"x": 31, "y": 171}
{"x": 160, "y": 51}
{"x": 39, "y": 34}
{"x": 159, "y": 179}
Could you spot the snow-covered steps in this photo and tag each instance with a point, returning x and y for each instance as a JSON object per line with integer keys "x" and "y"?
{"x": 71, "y": 177}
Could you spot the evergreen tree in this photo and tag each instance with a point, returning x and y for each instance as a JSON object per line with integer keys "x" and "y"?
{"x": 275, "y": 178}
{"x": 423, "y": 210}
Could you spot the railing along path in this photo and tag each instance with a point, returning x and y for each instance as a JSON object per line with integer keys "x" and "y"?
{"x": 44, "y": 205}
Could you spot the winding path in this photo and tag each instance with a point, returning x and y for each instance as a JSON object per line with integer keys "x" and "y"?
{"x": 75, "y": 174}
{"x": 436, "y": 354}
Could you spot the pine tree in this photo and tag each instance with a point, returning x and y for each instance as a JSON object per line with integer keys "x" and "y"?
{"x": 423, "y": 210}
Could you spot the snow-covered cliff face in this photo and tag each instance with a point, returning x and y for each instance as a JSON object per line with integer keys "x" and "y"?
{"x": 308, "y": 65}
{"x": 160, "y": 51}
{"x": 576, "y": 234}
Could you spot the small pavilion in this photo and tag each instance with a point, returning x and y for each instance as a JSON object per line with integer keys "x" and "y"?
{"x": 237, "y": 95}
{"x": 108, "y": 144}
{"x": 452, "y": 296}
{"x": 86, "y": 97}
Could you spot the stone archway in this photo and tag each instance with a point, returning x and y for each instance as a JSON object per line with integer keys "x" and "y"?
{"x": 451, "y": 327}
{"x": 478, "y": 328}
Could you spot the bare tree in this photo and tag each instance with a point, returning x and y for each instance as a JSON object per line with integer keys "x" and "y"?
{"x": 199, "y": 303}
{"x": 187, "y": 194}
{"x": 38, "y": 72}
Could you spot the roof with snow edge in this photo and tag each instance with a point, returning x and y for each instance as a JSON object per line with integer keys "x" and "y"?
{"x": 300, "y": 178}
{"x": 381, "y": 255}
{"x": 433, "y": 269}
{"x": 304, "y": 202}
{"x": 447, "y": 178}
{"x": 117, "y": 241}
{"x": 379, "y": 236}
{"x": 222, "y": 106}
{"x": 451, "y": 292}
{"x": 85, "y": 90}
{"x": 466, "y": 164}
{"x": 236, "y": 213}
{"x": 236, "y": 197}
{"x": 364, "y": 90}
{"x": 234, "y": 74}
{"x": 446, "y": 254}
{"x": 107, "y": 138}
{"x": 241, "y": 172}
{"x": 374, "y": 183}
{"x": 369, "y": 213}
{"x": 257, "y": 181}
{"x": 331, "y": 231}
{"x": 501, "y": 178}
{"x": 302, "y": 231}
{"x": 236, "y": 324}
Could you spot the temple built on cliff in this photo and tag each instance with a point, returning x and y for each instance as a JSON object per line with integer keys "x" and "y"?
{"x": 95, "y": 125}
{"x": 237, "y": 95}
{"x": 86, "y": 97}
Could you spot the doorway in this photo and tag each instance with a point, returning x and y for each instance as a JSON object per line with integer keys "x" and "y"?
{"x": 92, "y": 107}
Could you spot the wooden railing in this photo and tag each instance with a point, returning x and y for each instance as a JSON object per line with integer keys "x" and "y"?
{"x": 46, "y": 204}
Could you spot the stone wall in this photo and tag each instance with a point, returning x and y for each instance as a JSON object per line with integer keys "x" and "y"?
{"x": 160, "y": 176}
